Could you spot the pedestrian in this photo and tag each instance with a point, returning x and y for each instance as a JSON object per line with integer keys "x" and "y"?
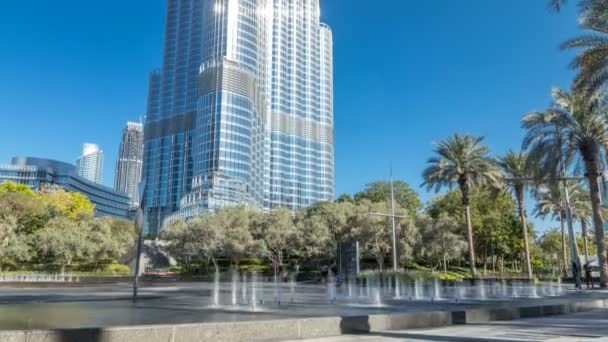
{"x": 588, "y": 275}
{"x": 576, "y": 276}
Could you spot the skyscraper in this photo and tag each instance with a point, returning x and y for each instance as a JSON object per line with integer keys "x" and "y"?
{"x": 129, "y": 162}
{"x": 242, "y": 111}
{"x": 90, "y": 163}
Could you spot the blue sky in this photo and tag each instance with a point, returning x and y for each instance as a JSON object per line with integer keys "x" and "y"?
{"x": 407, "y": 73}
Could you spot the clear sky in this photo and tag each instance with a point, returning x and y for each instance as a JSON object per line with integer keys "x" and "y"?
{"x": 407, "y": 73}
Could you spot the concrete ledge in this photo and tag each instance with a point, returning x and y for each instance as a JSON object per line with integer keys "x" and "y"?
{"x": 511, "y": 313}
{"x": 298, "y": 328}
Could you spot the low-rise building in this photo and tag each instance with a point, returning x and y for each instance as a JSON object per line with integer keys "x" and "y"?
{"x": 38, "y": 173}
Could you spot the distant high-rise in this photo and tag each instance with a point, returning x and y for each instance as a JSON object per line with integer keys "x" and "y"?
{"x": 90, "y": 163}
{"x": 129, "y": 162}
{"x": 242, "y": 111}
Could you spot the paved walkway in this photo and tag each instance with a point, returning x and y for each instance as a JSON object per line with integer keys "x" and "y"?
{"x": 587, "y": 326}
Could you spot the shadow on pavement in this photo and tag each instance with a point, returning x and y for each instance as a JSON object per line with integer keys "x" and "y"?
{"x": 438, "y": 338}
{"x": 80, "y": 335}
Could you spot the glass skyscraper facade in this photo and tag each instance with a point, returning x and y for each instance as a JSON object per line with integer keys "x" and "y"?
{"x": 242, "y": 111}
{"x": 129, "y": 162}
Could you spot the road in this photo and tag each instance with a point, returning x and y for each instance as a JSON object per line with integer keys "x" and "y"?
{"x": 587, "y": 326}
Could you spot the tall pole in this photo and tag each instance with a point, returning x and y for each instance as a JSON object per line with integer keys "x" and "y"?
{"x": 139, "y": 218}
{"x": 576, "y": 266}
{"x": 139, "y": 228}
{"x": 393, "y": 219}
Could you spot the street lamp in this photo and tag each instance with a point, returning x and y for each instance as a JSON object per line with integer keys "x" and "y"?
{"x": 139, "y": 225}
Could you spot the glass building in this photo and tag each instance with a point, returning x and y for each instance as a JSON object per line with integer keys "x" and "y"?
{"x": 90, "y": 164}
{"x": 129, "y": 162}
{"x": 38, "y": 173}
{"x": 242, "y": 111}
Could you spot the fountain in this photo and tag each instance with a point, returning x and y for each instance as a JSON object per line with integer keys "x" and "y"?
{"x": 331, "y": 286}
{"x": 244, "y": 288}
{"x": 216, "y": 288}
{"x": 234, "y": 287}
{"x": 254, "y": 281}
{"x": 534, "y": 291}
{"x": 436, "y": 289}
{"x": 418, "y": 289}
{"x": 397, "y": 287}
{"x": 503, "y": 289}
{"x": 349, "y": 286}
{"x": 377, "y": 294}
{"x": 482, "y": 290}
{"x": 292, "y": 286}
{"x": 34, "y": 277}
{"x": 361, "y": 289}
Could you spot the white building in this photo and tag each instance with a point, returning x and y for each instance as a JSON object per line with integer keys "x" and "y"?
{"x": 90, "y": 163}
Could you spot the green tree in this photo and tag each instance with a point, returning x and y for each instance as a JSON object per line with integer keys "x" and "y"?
{"x": 30, "y": 213}
{"x": 378, "y": 192}
{"x": 440, "y": 240}
{"x": 345, "y": 198}
{"x": 197, "y": 241}
{"x": 110, "y": 238}
{"x": 495, "y": 224}
{"x": 338, "y": 217}
{"x": 14, "y": 246}
{"x": 575, "y": 126}
{"x": 514, "y": 167}
{"x": 374, "y": 233}
{"x": 550, "y": 244}
{"x": 10, "y": 187}
{"x": 312, "y": 237}
{"x": 463, "y": 161}
{"x": 235, "y": 227}
{"x": 72, "y": 205}
{"x": 277, "y": 231}
{"x": 581, "y": 212}
{"x": 550, "y": 201}
{"x": 64, "y": 241}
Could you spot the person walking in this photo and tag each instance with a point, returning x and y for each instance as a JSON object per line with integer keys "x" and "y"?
{"x": 588, "y": 275}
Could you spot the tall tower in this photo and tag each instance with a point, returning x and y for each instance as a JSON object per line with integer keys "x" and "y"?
{"x": 302, "y": 133}
{"x": 242, "y": 111}
{"x": 169, "y": 128}
{"x": 90, "y": 163}
{"x": 129, "y": 162}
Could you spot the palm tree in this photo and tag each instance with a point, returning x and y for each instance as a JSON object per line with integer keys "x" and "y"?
{"x": 581, "y": 211}
{"x": 573, "y": 128}
{"x": 514, "y": 168}
{"x": 592, "y": 59}
{"x": 462, "y": 160}
{"x": 550, "y": 201}
{"x": 556, "y": 5}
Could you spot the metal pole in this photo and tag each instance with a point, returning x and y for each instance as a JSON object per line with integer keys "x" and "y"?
{"x": 139, "y": 228}
{"x": 573, "y": 254}
{"x": 393, "y": 219}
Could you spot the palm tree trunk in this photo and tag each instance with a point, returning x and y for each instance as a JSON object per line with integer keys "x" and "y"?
{"x": 564, "y": 253}
{"x": 584, "y": 230}
{"x": 467, "y": 213}
{"x": 524, "y": 225}
{"x": 598, "y": 221}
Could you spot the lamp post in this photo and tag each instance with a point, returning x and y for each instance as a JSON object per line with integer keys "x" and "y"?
{"x": 139, "y": 225}
{"x": 393, "y": 217}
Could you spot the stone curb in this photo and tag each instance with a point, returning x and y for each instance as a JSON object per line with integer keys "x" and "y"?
{"x": 299, "y": 328}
